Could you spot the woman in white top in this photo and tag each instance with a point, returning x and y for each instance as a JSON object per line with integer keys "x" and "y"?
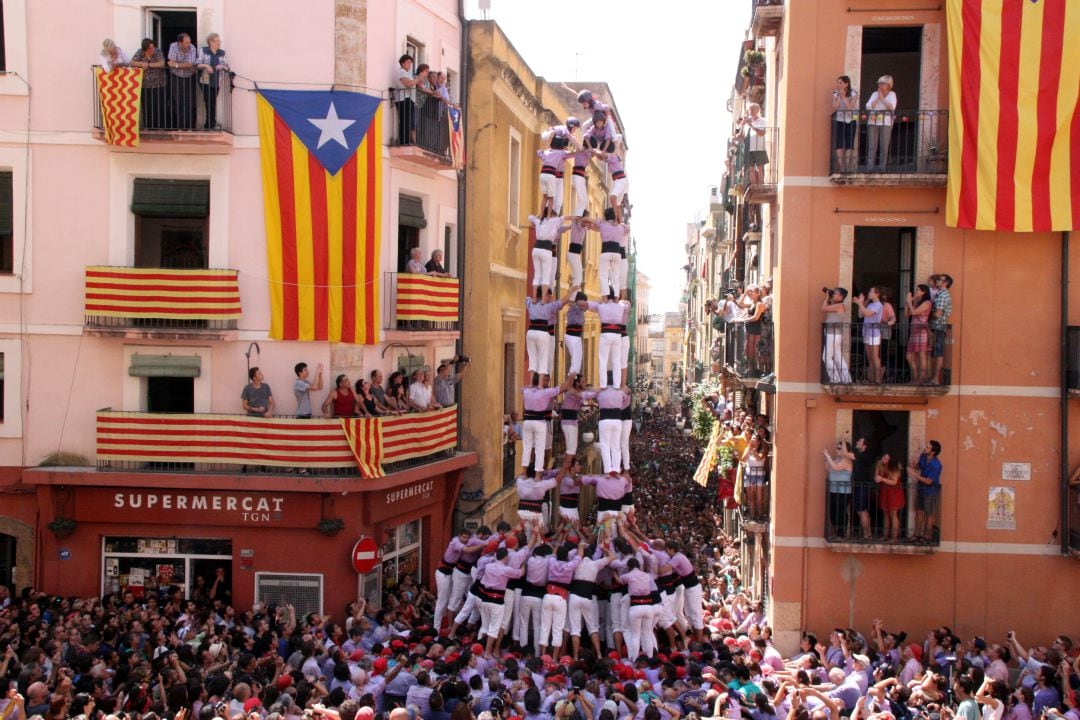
{"x": 845, "y": 105}
{"x": 112, "y": 56}
{"x": 882, "y": 105}
{"x": 993, "y": 696}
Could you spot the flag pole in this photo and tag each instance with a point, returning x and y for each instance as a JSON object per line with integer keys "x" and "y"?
{"x": 1066, "y": 531}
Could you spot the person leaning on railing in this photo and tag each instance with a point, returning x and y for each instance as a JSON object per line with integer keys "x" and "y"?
{"x": 150, "y": 58}
{"x": 182, "y": 58}
{"x": 212, "y": 66}
{"x": 834, "y": 315}
{"x": 256, "y": 397}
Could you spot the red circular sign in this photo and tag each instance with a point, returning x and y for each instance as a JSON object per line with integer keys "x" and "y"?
{"x": 365, "y": 555}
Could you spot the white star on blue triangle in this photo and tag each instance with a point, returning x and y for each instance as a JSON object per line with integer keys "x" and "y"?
{"x": 331, "y": 124}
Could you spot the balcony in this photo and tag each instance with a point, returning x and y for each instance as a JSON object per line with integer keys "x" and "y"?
{"x": 1074, "y": 520}
{"x": 421, "y": 303}
{"x": 856, "y": 522}
{"x": 768, "y": 17}
{"x": 748, "y": 350}
{"x": 915, "y": 148}
{"x": 1072, "y": 364}
{"x": 160, "y": 302}
{"x": 178, "y": 113}
{"x": 754, "y": 508}
{"x": 214, "y": 443}
{"x": 420, "y": 135}
{"x": 905, "y": 355}
{"x": 755, "y": 174}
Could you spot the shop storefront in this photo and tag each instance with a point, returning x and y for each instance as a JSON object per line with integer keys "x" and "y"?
{"x": 147, "y": 565}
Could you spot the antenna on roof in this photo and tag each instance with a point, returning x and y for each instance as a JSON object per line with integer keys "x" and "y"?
{"x": 485, "y": 6}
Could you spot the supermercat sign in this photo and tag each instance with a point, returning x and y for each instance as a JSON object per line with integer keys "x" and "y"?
{"x": 196, "y": 507}
{"x": 255, "y": 505}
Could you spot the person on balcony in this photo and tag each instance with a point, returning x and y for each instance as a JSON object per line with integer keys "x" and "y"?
{"x": 755, "y": 310}
{"x": 386, "y": 404}
{"x": 366, "y": 398}
{"x": 881, "y": 106}
{"x": 150, "y": 58}
{"x": 112, "y": 56}
{"x": 342, "y": 402}
{"x": 405, "y": 100}
{"x": 870, "y": 311}
{"x": 917, "y": 308}
{"x": 447, "y": 376}
{"x": 302, "y": 388}
{"x": 888, "y": 321}
{"x": 754, "y": 126}
{"x": 183, "y": 55}
{"x": 926, "y": 471}
{"x": 845, "y": 105}
{"x": 839, "y": 469}
{"x": 256, "y": 397}
{"x": 212, "y": 66}
{"x": 834, "y": 314}
{"x": 939, "y": 323}
{"x": 434, "y": 266}
{"x": 415, "y": 265}
{"x": 754, "y": 461}
{"x": 421, "y": 393}
{"x": 549, "y": 228}
{"x": 891, "y": 495}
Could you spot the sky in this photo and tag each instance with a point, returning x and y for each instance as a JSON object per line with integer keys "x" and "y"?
{"x": 671, "y": 67}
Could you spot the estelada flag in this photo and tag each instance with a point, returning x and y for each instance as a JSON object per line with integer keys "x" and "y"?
{"x": 1014, "y": 126}
{"x": 120, "y": 96}
{"x": 322, "y": 194}
{"x": 457, "y": 141}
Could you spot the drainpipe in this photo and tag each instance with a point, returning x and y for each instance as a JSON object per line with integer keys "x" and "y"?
{"x": 1064, "y": 400}
{"x": 462, "y": 175}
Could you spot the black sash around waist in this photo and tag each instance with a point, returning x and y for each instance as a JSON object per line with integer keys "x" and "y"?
{"x": 465, "y": 566}
{"x": 551, "y": 330}
{"x": 530, "y": 505}
{"x": 690, "y": 580}
{"x": 618, "y": 175}
{"x": 613, "y": 328}
{"x": 515, "y": 583}
{"x": 575, "y": 248}
{"x": 610, "y": 414}
{"x": 628, "y": 498}
{"x": 548, "y": 170}
{"x": 568, "y": 414}
{"x": 627, "y": 413}
{"x": 608, "y": 505}
{"x": 538, "y": 324}
{"x": 583, "y": 588}
{"x": 579, "y": 170}
{"x": 491, "y": 596}
{"x": 444, "y": 567}
{"x": 611, "y": 247}
{"x": 668, "y": 582}
{"x": 531, "y": 590}
{"x": 544, "y": 245}
{"x": 536, "y": 415}
{"x": 559, "y": 173}
{"x": 569, "y": 502}
{"x": 574, "y": 330}
{"x": 641, "y": 599}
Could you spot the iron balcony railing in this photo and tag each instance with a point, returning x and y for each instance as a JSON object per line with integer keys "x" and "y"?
{"x": 748, "y": 348}
{"x": 419, "y": 302}
{"x": 172, "y": 103}
{"x": 877, "y": 354}
{"x": 872, "y": 513}
{"x": 420, "y": 122}
{"x": 163, "y": 299}
{"x": 755, "y": 159}
{"x": 1072, "y": 364}
{"x": 900, "y": 142}
{"x": 1074, "y": 519}
{"x": 755, "y": 493}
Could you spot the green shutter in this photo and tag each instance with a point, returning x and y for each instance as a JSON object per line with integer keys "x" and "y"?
{"x": 6, "y": 203}
{"x": 165, "y": 366}
{"x": 411, "y": 212}
{"x": 171, "y": 198}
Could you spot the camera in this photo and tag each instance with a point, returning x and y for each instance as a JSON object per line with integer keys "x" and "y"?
{"x": 462, "y": 359}
{"x": 826, "y": 290}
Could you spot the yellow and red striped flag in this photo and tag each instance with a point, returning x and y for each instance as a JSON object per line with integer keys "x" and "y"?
{"x": 364, "y": 436}
{"x": 162, "y": 293}
{"x": 322, "y": 192}
{"x": 120, "y": 96}
{"x": 1014, "y": 127}
{"x": 423, "y": 297}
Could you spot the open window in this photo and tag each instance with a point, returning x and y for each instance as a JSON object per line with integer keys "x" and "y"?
{"x": 164, "y": 26}
{"x": 7, "y": 223}
{"x": 172, "y": 223}
{"x": 411, "y": 221}
{"x": 414, "y": 48}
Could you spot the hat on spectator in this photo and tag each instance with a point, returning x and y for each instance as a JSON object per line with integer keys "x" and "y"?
{"x": 379, "y": 666}
{"x": 284, "y": 680}
{"x": 916, "y": 651}
{"x": 357, "y": 654}
{"x": 477, "y": 649}
{"x": 251, "y": 703}
{"x": 861, "y": 659}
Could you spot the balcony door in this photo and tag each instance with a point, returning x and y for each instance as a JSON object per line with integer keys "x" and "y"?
{"x": 885, "y": 257}
{"x": 170, "y": 394}
{"x": 172, "y": 223}
{"x": 895, "y": 51}
{"x": 163, "y": 26}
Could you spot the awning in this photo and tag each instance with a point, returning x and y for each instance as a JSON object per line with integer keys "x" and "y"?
{"x": 171, "y": 198}
{"x": 411, "y": 212}
{"x": 165, "y": 366}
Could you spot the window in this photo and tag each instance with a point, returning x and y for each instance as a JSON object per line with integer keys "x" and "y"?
{"x": 448, "y": 240}
{"x": 142, "y": 565}
{"x": 408, "y": 364}
{"x": 304, "y": 591}
{"x": 163, "y": 26}
{"x": 401, "y": 554}
{"x": 170, "y": 381}
{"x": 411, "y": 221}
{"x": 415, "y": 48}
{"x": 7, "y": 224}
{"x": 509, "y": 386}
{"x": 10, "y": 388}
{"x": 13, "y": 47}
{"x": 171, "y": 223}
{"x": 513, "y": 207}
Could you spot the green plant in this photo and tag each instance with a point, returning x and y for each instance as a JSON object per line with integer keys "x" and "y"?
{"x": 725, "y": 459}
{"x": 701, "y": 417}
{"x": 754, "y": 57}
{"x": 62, "y": 525}
{"x": 330, "y": 526}
{"x": 64, "y": 459}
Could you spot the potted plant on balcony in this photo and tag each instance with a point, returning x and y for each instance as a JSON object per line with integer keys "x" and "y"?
{"x": 330, "y": 526}
{"x": 62, "y": 527}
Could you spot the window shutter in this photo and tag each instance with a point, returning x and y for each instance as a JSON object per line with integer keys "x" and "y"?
{"x": 411, "y": 212}
{"x": 171, "y": 198}
{"x": 165, "y": 366}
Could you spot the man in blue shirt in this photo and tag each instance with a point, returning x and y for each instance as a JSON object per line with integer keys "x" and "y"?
{"x": 927, "y": 472}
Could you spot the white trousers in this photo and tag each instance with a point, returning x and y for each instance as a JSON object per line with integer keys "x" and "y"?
{"x": 470, "y": 611}
{"x": 543, "y": 267}
{"x": 833, "y": 355}
{"x": 639, "y": 636}
{"x": 610, "y": 352}
{"x": 570, "y": 437}
{"x": 575, "y": 268}
{"x": 551, "y": 354}
{"x": 572, "y": 343}
{"x": 618, "y": 189}
{"x": 610, "y": 272}
{"x": 627, "y": 426}
{"x": 461, "y": 582}
{"x": 581, "y": 194}
{"x": 624, "y": 271}
{"x": 552, "y": 621}
{"x": 611, "y": 444}
{"x": 533, "y": 436}
{"x": 536, "y": 347}
{"x": 665, "y": 612}
{"x": 491, "y": 615}
{"x": 444, "y": 584}
{"x": 548, "y": 185}
{"x": 583, "y": 609}
{"x": 529, "y": 613}
{"x": 624, "y": 349}
{"x": 560, "y": 184}
{"x": 692, "y": 608}
{"x": 512, "y": 597}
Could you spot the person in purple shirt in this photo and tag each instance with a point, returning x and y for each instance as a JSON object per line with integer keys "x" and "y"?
{"x": 572, "y": 401}
{"x": 551, "y": 165}
{"x": 532, "y": 597}
{"x": 612, "y": 316}
{"x": 541, "y": 314}
{"x": 579, "y": 180}
{"x": 538, "y": 403}
{"x": 610, "y": 153}
{"x": 688, "y": 607}
{"x": 613, "y": 235}
{"x": 611, "y": 400}
{"x": 569, "y": 495}
{"x": 506, "y": 565}
{"x": 575, "y": 326}
{"x": 553, "y": 608}
{"x": 549, "y": 227}
{"x": 583, "y": 607}
{"x": 444, "y": 573}
{"x": 639, "y": 586}
{"x": 579, "y": 227}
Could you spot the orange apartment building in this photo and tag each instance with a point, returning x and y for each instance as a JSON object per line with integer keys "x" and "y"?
{"x": 1006, "y": 407}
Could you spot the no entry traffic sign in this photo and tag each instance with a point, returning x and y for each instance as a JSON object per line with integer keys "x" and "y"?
{"x": 365, "y": 555}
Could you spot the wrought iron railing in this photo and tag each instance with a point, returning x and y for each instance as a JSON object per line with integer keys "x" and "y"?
{"x": 878, "y": 354}
{"x": 171, "y": 103}
{"x": 755, "y": 159}
{"x": 755, "y": 493}
{"x": 903, "y": 141}
{"x": 420, "y": 122}
{"x": 163, "y": 299}
{"x": 422, "y": 302}
{"x": 748, "y": 348}
{"x": 870, "y": 512}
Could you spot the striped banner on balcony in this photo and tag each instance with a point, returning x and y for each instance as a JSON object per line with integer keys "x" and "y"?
{"x": 708, "y": 459}
{"x": 366, "y": 443}
{"x": 423, "y": 297}
{"x": 162, "y": 293}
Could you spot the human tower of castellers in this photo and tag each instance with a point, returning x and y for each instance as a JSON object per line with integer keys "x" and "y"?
{"x": 532, "y": 582}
